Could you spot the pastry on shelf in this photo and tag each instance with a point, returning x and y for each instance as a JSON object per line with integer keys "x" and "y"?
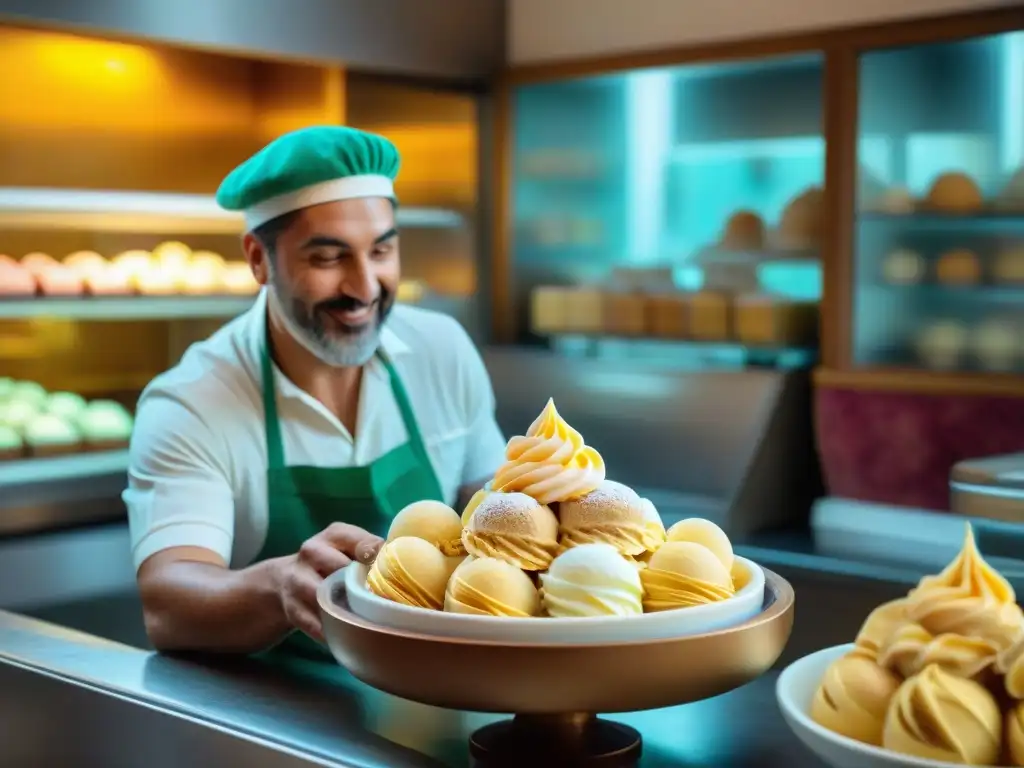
{"x": 49, "y": 435}
{"x": 105, "y": 425}
{"x": 941, "y": 344}
{"x": 66, "y": 405}
{"x": 762, "y": 319}
{"x": 12, "y": 445}
{"x": 110, "y": 281}
{"x": 16, "y": 281}
{"x": 156, "y": 280}
{"x": 28, "y": 392}
{"x": 1011, "y": 198}
{"x": 37, "y": 261}
{"x": 802, "y": 219}
{"x": 17, "y": 413}
{"x": 710, "y": 316}
{"x": 238, "y": 279}
{"x": 903, "y": 267}
{"x": 584, "y": 309}
{"x": 959, "y": 267}
{"x": 1008, "y": 268}
{"x": 668, "y": 315}
{"x": 547, "y": 309}
{"x": 207, "y": 258}
{"x": 130, "y": 263}
{"x": 202, "y": 278}
{"x": 744, "y": 231}
{"x": 955, "y": 192}
{"x": 994, "y": 345}
{"x": 85, "y": 263}
{"x": 59, "y": 280}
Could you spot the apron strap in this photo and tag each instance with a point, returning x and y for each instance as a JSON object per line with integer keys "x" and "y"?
{"x": 272, "y": 427}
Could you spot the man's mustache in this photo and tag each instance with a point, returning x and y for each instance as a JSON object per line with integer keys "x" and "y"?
{"x": 347, "y": 304}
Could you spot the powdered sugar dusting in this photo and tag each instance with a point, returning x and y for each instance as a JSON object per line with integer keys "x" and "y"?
{"x": 609, "y": 500}
{"x": 508, "y": 513}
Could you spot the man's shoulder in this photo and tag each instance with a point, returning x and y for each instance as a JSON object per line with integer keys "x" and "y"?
{"x": 214, "y": 372}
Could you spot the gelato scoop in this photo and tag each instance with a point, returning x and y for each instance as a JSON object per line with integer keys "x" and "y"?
{"x": 879, "y": 626}
{"x": 911, "y": 648}
{"x": 515, "y": 528}
{"x": 411, "y": 571}
{"x": 969, "y": 598}
{"x": 938, "y": 716}
{"x": 1010, "y": 664}
{"x": 1015, "y": 735}
{"x": 488, "y": 587}
{"x": 707, "y": 534}
{"x": 682, "y": 574}
{"x": 591, "y": 580}
{"x": 551, "y": 462}
{"x": 853, "y": 698}
{"x": 433, "y": 521}
{"x": 613, "y": 514}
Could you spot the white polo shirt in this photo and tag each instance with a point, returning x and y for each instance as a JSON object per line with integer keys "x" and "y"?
{"x": 197, "y": 472}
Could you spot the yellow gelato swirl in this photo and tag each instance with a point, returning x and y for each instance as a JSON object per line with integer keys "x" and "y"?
{"x": 879, "y": 626}
{"x": 1010, "y": 664}
{"x": 634, "y": 540}
{"x": 551, "y": 462}
{"x": 1015, "y": 735}
{"x": 968, "y": 598}
{"x": 938, "y": 716}
{"x": 853, "y": 697}
{"x": 912, "y": 648}
{"x": 527, "y": 553}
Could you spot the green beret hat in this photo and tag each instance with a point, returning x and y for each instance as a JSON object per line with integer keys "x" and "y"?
{"x": 308, "y": 167}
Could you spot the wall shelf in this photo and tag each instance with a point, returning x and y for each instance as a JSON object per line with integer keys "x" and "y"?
{"x": 126, "y": 307}
{"x": 62, "y": 469}
{"x": 150, "y": 212}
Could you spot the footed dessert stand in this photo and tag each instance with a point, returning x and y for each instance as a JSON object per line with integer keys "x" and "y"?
{"x": 553, "y": 689}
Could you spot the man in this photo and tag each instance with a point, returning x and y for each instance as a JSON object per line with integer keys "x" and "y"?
{"x": 278, "y": 449}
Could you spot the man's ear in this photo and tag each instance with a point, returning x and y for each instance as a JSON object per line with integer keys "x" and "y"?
{"x": 257, "y": 256}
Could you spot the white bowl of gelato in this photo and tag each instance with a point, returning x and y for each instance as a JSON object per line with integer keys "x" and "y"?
{"x": 795, "y": 692}
{"x": 744, "y": 605}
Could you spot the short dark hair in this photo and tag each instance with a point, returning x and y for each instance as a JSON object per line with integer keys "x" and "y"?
{"x": 268, "y": 232}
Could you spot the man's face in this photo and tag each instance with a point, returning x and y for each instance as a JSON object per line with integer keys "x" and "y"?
{"x": 333, "y": 277}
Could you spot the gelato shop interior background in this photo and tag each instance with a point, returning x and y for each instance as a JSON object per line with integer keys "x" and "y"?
{"x": 769, "y": 261}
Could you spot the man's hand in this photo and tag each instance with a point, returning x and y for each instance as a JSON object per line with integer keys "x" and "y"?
{"x": 300, "y": 575}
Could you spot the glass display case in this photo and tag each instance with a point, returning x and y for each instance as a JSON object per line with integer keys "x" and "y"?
{"x": 939, "y": 234}
{"x": 681, "y": 204}
{"x": 114, "y": 257}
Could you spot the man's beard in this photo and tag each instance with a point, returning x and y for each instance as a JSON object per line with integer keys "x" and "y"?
{"x": 325, "y": 338}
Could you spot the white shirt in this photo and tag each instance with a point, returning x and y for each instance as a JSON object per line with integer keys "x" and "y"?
{"x": 197, "y": 471}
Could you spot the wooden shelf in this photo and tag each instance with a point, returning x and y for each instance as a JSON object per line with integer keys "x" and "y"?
{"x": 922, "y": 382}
{"x": 62, "y": 469}
{"x": 150, "y": 212}
{"x": 126, "y": 307}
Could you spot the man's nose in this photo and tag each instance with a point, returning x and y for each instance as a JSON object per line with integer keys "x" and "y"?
{"x": 360, "y": 280}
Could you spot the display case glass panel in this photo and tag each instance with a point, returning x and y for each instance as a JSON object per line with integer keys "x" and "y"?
{"x": 678, "y": 181}
{"x": 939, "y": 238}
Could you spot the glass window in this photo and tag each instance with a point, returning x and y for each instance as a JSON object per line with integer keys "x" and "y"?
{"x": 940, "y": 235}
{"x": 685, "y": 179}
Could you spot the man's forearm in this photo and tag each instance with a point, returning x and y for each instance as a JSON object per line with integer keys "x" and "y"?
{"x": 202, "y": 607}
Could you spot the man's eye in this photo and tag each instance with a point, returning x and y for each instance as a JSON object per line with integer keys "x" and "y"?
{"x": 383, "y": 249}
{"x": 320, "y": 259}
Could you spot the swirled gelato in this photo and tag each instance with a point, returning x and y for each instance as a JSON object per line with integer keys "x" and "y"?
{"x": 1014, "y": 734}
{"x": 488, "y": 587}
{"x": 1010, "y": 664}
{"x": 683, "y": 574}
{"x": 551, "y": 463}
{"x": 515, "y": 528}
{"x": 879, "y": 626}
{"x": 411, "y": 571}
{"x": 474, "y": 502}
{"x": 911, "y": 648}
{"x": 968, "y": 598}
{"x": 433, "y": 521}
{"x": 853, "y": 698}
{"x": 591, "y": 580}
{"x": 611, "y": 514}
{"x": 938, "y": 716}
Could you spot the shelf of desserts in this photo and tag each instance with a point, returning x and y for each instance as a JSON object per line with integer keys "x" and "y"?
{"x": 170, "y": 281}
{"x": 35, "y": 423}
{"x": 937, "y": 675}
{"x": 953, "y": 199}
{"x": 992, "y": 345}
{"x": 150, "y": 212}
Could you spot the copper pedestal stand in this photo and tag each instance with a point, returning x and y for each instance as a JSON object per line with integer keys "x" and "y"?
{"x": 549, "y": 687}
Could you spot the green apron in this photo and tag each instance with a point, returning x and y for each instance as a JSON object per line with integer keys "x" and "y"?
{"x": 302, "y": 500}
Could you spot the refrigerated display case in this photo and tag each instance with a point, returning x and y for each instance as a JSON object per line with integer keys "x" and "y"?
{"x": 114, "y": 257}
{"x": 671, "y": 203}
{"x": 939, "y": 275}
{"x": 927, "y": 305}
